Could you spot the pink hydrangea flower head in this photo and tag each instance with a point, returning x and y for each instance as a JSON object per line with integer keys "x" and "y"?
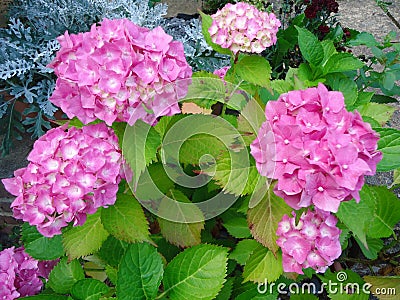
{"x": 71, "y": 173}
{"x": 322, "y": 150}
{"x": 222, "y": 72}
{"x": 242, "y": 27}
{"x": 311, "y": 243}
{"x": 117, "y": 71}
{"x": 19, "y": 274}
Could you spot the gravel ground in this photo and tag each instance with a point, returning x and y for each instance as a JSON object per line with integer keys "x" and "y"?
{"x": 367, "y": 16}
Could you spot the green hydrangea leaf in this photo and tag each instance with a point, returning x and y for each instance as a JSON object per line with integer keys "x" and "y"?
{"x": 112, "y": 274}
{"x": 364, "y": 98}
{"x": 89, "y": 289}
{"x": 86, "y": 239}
{"x": 364, "y": 38}
{"x": 119, "y": 130}
{"x": 196, "y": 273}
{"x": 281, "y": 86}
{"x": 342, "y": 62}
{"x": 139, "y": 147}
{"x": 196, "y": 146}
{"x": 383, "y": 99}
{"x": 140, "y": 273}
{"x": 396, "y": 178}
{"x": 263, "y": 219}
{"x": 243, "y": 250}
{"x": 329, "y": 50}
{"x": 125, "y": 220}
{"x": 112, "y": 251}
{"x": 249, "y": 290}
{"x": 375, "y": 215}
{"x": 226, "y": 291}
{"x": 74, "y": 122}
{"x": 389, "y": 145}
{"x": 339, "y": 82}
{"x": 254, "y": 69}
{"x": 166, "y": 122}
{"x": 386, "y": 213}
{"x": 165, "y": 248}
{"x": 180, "y": 233}
{"x": 196, "y": 136}
{"x": 388, "y": 80}
{"x": 357, "y": 216}
{"x": 261, "y": 265}
{"x": 236, "y": 224}
{"x": 374, "y": 246}
{"x": 39, "y": 246}
{"x": 205, "y": 91}
{"x": 382, "y": 113}
{"x": 310, "y": 47}
{"x": 344, "y": 235}
{"x": 250, "y": 120}
{"x": 64, "y": 275}
{"x": 235, "y": 172}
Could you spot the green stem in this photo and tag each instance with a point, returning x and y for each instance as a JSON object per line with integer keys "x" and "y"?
{"x": 162, "y": 295}
{"x": 223, "y": 110}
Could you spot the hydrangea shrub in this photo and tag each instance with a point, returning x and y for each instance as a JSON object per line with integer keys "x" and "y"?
{"x": 268, "y": 186}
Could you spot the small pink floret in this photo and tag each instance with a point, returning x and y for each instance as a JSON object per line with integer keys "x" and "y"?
{"x": 314, "y": 244}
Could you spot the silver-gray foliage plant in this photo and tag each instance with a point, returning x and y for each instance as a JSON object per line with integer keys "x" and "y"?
{"x": 29, "y": 43}
{"x": 198, "y": 53}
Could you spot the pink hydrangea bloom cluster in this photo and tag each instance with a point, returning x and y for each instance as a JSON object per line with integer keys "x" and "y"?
{"x": 318, "y": 151}
{"x": 222, "y": 72}
{"x": 71, "y": 173}
{"x": 311, "y": 243}
{"x": 119, "y": 72}
{"x": 242, "y": 27}
{"x": 20, "y": 273}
